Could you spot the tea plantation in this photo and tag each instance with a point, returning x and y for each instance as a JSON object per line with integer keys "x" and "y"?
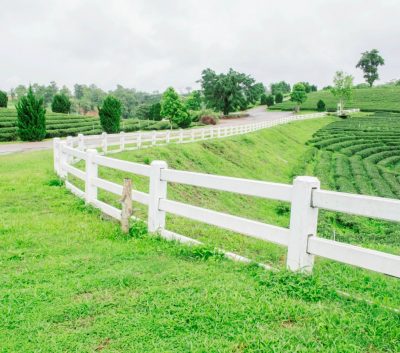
{"x": 361, "y": 155}
{"x": 367, "y": 99}
{"x": 61, "y": 125}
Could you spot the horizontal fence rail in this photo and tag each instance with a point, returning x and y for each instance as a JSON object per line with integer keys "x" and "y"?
{"x": 304, "y": 196}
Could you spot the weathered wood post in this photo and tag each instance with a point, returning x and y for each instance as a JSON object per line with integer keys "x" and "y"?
{"x": 91, "y": 172}
{"x": 157, "y": 191}
{"x": 168, "y": 136}
{"x": 180, "y": 135}
{"x": 153, "y": 138}
{"x": 126, "y": 202}
{"x": 303, "y": 224}
{"x": 139, "y": 140}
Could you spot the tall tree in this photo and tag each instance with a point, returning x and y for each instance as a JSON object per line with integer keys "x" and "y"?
{"x": 342, "y": 87}
{"x": 61, "y": 104}
{"x": 173, "y": 109}
{"x": 298, "y": 95}
{"x": 193, "y": 101}
{"x": 110, "y": 115}
{"x": 31, "y": 117}
{"x": 369, "y": 62}
{"x": 228, "y": 92}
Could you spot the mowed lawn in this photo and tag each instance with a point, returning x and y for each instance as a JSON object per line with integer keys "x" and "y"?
{"x": 71, "y": 282}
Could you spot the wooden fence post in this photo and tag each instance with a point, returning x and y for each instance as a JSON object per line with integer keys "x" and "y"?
{"x": 139, "y": 140}
{"x": 157, "y": 191}
{"x": 122, "y": 140}
{"x": 303, "y": 224}
{"x": 56, "y": 154}
{"x": 91, "y": 172}
{"x": 126, "y": 201}
{"x": 167, "y": 137}
{"x": 153, "y": 138}
{"x": 104, "y": 142}
{"x": 180, "y": 135}
{"x": 192, "y": 135}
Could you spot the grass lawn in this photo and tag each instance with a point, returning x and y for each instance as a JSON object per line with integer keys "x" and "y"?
{"x": 71, "y": 282}
{"x": 367, "y": 99}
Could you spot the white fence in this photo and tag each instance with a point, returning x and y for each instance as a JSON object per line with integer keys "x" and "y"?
{"x": 305, "y": 197}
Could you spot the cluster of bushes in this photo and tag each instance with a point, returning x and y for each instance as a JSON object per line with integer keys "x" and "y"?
{"x": 270, "y": 100}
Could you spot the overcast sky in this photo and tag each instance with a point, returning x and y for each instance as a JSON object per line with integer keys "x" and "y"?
{"x": 153, "y": 44}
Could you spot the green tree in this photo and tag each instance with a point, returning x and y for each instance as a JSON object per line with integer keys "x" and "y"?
{"x": 321, "y": 107}
{"x": 342, "y": 87}
{"x": 20, "y": 91}
{"x": 278, "y": 98}
{"x": 263, "y": 99}
{"x": 110, "y": 115}
{"x": 369, "y": 62}
{"x": 193, "y": 101}
{"x": 228, "y": 92}
{"x": 143, "y": 112}
{"x": 173, "y": 109}
{"x": 31, "y": 117}
{"x": 155, "y": 111}
{"x": 298, "y": 95}
{"x": 61, "y": 104}
{"x": 270, "y": 100}
{"x": 3, "y": 99}
{"x": 49, "y": 92}
{"x": 280, "y": 87}
{"x": 78, "y": 91}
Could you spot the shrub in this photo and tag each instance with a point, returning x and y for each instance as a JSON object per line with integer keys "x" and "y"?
{"x": 61, "y": 104}
{"x": 3, "y": 99}
{"x": 31, "y": 117}
{"x": 208, "y": 120}
{"x": 110, "y": 114}
{"x": 279, "y": 98}
{"x": 321, "y": 107}
{"x": 263, "y": 99}
{"x": 270, "y": 100}
{"x": 173, "y": 109}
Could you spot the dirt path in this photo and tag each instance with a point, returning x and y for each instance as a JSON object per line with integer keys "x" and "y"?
{"x": 257, "y": 115}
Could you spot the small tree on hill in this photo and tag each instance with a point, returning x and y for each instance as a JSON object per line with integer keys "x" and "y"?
{"x": 61, "y": 104}
{"x": 270, "y": 100}
{"x": 279, "y": 98}
{"x": 31, "y": 121}
{"x": 110, "y": 115}
{"x": 342, "y": 87}
{"x": 3, "y": 99}
{"x": 369, "y": 62}
{"x": 298, "y": 95}
{"x": 173, "y": 109}
{"x": 321, "y": 107}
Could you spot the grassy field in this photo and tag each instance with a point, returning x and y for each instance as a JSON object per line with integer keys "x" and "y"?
{"x": 71, "y": 282}
{"x": 61, "y": 125}
{"x": 367, "y": 99}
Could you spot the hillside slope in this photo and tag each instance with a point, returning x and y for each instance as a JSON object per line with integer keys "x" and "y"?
{"x": 367, "y": 99}
{"x": 73, "y": 283}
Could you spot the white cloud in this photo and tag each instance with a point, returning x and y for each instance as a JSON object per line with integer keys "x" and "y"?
{"x": 152, "y": 44}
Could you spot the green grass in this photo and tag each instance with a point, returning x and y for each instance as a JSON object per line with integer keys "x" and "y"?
{"x": 367, "y": 99}
{"x": 71, "y": 282}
